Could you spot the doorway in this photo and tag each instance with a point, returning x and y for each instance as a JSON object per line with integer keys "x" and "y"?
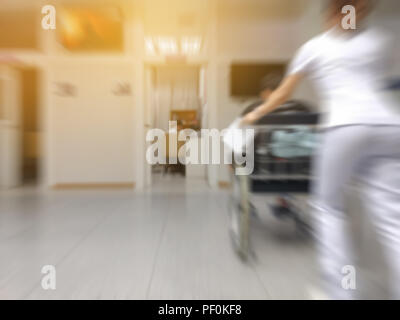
{"x": 30, "y": 127}
{"x": 19, "y": 126}
{"x": 174, "y": 93}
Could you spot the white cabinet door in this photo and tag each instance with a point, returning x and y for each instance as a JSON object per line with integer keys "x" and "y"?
{"x": 10, "y": 128}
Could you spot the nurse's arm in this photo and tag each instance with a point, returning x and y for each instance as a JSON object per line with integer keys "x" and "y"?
{"x": 276, "y": 99}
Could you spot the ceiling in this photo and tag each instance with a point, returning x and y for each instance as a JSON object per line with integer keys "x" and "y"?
{"x": 282, "y": 9}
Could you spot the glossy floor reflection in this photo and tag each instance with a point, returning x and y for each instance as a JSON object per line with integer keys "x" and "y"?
{"x": 170, "y": 243}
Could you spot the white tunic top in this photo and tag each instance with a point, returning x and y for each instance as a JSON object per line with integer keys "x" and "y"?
{"x": 348, "y": 69}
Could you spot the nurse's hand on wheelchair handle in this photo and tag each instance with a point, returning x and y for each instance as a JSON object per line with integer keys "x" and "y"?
{"x": 249, "y": 119}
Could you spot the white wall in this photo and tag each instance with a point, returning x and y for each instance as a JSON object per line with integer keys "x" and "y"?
{"x": 386, "y": 17}
{"x": 91, "y": 134}
{"x": 10, "y": 128}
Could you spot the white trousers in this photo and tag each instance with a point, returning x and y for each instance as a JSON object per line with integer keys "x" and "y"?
{"x": 370, "y": 154}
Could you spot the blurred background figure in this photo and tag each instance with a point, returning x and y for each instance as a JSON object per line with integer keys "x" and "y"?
{"x": 360, "y": 139}
{"x": 267, "y": 85}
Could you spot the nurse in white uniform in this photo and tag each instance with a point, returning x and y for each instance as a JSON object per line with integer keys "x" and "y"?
{"x": 361, "y": 139}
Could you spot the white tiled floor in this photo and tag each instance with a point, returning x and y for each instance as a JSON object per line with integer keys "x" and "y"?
{"x": 170, "y": 243}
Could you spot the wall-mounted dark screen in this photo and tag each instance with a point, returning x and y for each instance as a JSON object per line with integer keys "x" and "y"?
{"x": 246, "y": 77}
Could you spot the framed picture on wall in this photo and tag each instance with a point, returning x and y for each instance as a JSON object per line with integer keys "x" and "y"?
{"x": 86, "y": 28}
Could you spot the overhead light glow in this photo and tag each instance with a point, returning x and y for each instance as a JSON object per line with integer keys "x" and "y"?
{"x": 167, "y": 46}
{"x": 191, "y": 45}
{"x": 170, "y": 46}
{"x": 150, "y": 49}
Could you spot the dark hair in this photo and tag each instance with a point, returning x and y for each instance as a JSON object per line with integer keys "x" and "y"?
{"x": 270, "y": 81}
{"x": 334, "y": 7}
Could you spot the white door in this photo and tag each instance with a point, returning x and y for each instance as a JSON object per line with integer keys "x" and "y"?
{"x": 10, "y": 128}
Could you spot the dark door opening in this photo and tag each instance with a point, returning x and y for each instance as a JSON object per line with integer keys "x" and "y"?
{"x": 176, "y": 91}
{"x": 31, "y": 132}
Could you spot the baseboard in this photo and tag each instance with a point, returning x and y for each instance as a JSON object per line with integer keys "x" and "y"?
{"x": 73, "y": 186}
